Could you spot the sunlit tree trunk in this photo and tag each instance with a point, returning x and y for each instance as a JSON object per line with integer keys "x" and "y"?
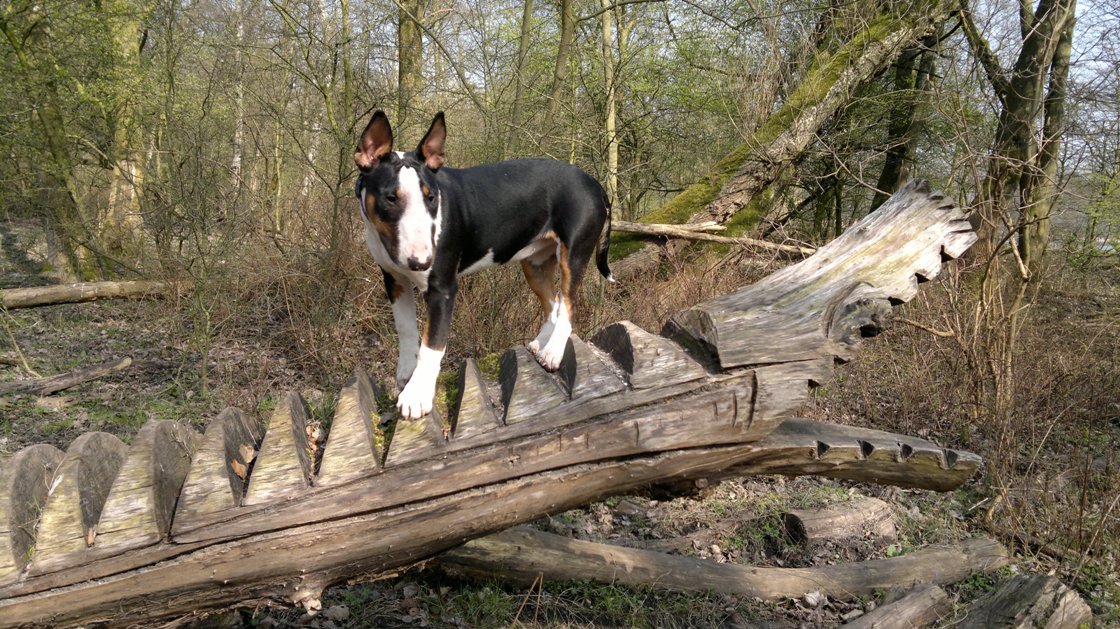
{"x": 410, "y": 51}
{"x": 563, "y": 56}
{"x": 610, "y": 125}
{"x": 515, "y": 131}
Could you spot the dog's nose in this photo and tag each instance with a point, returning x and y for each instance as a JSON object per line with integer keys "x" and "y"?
{"x": 416, "y": 264}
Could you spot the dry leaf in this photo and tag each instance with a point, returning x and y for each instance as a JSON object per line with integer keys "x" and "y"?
{"x": 238, "y": 468}
{"x": 90, "y": 535}
{"x": 248, "y": 453}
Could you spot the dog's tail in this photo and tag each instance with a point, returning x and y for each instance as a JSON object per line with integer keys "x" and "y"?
{"x": 604, "y": 244}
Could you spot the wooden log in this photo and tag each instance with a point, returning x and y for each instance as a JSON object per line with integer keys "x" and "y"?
{"x": 865, "y": 518}
{"x": 12, "y": 298}
{"x": 25, "y": 481}
{"x": 920, "y": 608}
{"x": 523, "y": 555}
{"x": 690, "y": 232}
{"x": 821, "y": 306}
{"x": 1029, "y": 601}
{"x": 415, "y": 439}
{"x": 342, "y": 535}
{"x": 54, "y": 384}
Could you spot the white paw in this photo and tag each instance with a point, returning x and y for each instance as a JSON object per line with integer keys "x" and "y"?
{"x": 415, "y": 401}
{"x": 551, "y": 355}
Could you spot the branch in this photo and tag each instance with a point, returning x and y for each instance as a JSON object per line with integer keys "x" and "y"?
{"x": 984, "y": 54}
{"x": 679, "y": 231}
{"x": 54, "y": 384}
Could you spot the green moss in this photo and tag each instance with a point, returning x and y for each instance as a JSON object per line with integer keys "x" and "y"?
{"x": 490, "y": 364}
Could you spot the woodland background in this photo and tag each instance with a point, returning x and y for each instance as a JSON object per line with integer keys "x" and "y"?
{"x": 210, "y": 143}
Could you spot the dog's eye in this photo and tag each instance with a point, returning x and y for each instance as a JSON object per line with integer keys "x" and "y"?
{"x": 391, "y": 198}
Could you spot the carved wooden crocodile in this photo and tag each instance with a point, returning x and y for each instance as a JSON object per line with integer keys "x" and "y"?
{"x": 178, "y": 522}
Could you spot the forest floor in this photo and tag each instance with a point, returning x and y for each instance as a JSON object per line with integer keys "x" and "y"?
{"x": 737, "y": 521}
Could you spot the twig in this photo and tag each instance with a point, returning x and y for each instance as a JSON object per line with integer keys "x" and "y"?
{"x": 15, "y": 345}
{"x": 680, "y": 231}
{"x": 921, "y": 326}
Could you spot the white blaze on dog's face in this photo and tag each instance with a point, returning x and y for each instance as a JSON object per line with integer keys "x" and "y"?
{"x": 419, "y": 223}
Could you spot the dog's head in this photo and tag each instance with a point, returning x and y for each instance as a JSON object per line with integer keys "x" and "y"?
{"x": 398, "y": 192}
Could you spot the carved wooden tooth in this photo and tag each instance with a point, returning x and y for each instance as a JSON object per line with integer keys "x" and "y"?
{"x": 527, "y": 389}
{"x": 585, "y": 374}
{"x": 283, "y": 467}
{"x": 415, "y": 439}
{"x": 649, "y": 360}
{"x": 140, "y": 505}
{"x": 351, "y": 451}
{"x": 68, "y": 523}
{"x": 216, "y": 480}
{"x": 474, "y": 414}
{"x": 24, "y": 482}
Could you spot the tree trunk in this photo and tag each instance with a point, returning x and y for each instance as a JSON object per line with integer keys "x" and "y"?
{"x": 513, "y": 141}
{"x": 560, "y": 72}
{"x": 410, "y": 60}
{"x": 610, "y": 126}
{"x": 1042, "y": 190}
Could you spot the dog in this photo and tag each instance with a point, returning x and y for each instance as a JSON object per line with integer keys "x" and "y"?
{"x": 426, "y": 225}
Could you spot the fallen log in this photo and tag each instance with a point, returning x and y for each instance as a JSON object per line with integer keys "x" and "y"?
{"x": 921, "y": 608}
{"x": 691, "y": 233}
{"x": 60, "y": 382}
{"x": 863, "y": 518}
{"x": 1029, "y": 601}
{"x": 178, "y": 522}
{"x": 12, "y": 298}
{"x": 522, "y": 555}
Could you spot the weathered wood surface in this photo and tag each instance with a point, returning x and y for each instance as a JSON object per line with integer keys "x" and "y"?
{"x": 921, "y": 608}
{"x": 54, "y": 384}
{"x": 1027, "y": 601}
{"x": 821, "y": 306}
{"x": 628, "y": 410}
{"x": 12, "y": 298}
{"x": 25, "y": 481}
{"x": 523, "y": 554}
{"x": 865, "y": 518}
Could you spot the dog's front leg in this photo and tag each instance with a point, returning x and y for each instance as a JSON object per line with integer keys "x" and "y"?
{"x": 416, "y": 398}
{"x": 403, "y": 298}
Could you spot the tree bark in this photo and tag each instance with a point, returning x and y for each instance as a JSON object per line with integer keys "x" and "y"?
{"x": 410, "y": 59}
{"x": 563, "y": 54}
{"x": 513, "y": 142}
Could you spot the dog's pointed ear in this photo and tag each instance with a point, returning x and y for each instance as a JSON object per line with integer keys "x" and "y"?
{"x": 376, "y": 142}
{"x": 431, "y": 147}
